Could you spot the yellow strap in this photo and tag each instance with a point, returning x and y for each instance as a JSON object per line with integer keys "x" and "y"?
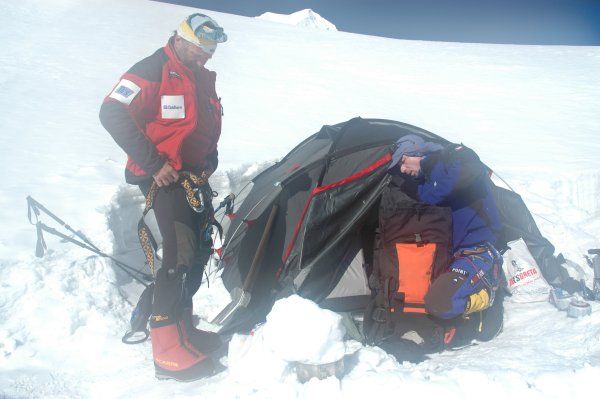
{"x": 150, "y": 197}
{"x": 187, "y": 180}
{"x": 144, "y": 236}
{"x": 477, "y": 302}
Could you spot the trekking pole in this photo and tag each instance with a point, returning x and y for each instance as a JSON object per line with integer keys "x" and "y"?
{"x": 41, "y": 245}
{"x": 124, "y": 267}
{"x": 34, "y": 204}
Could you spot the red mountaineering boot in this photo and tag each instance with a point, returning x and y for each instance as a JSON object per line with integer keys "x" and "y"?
{"x": 175, "y": 357}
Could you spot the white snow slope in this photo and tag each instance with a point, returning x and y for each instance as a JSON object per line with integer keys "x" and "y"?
{"x": 306, "y": 18}
{"x": 531, "y": 112}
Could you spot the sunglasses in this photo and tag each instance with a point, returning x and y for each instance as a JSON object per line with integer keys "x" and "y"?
{"x": 207, "y": 48}
{"x": 206, "y": 28}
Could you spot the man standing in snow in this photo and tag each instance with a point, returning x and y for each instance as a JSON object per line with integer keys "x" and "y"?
{"x": 165, "y": 114}
{"x": 454, "y": 177}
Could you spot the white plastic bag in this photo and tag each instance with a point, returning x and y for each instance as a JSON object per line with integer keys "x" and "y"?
{"x": 524, "y": 277}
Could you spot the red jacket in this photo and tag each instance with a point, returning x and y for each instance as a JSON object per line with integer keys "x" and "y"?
{"x": 161, "y": 110}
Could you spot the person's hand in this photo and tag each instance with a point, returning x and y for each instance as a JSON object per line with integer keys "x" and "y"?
{"x": 166, "y": 175}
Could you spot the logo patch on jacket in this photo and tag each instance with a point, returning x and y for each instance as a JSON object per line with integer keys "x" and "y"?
{"x": 125, "y": 91}
{"x": 172, "y": 107}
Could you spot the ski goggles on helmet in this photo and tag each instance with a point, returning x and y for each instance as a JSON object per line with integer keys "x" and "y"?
{"x": 203, "y": 31}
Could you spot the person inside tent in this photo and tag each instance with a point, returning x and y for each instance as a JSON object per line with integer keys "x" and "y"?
{"x": 454, "y": 177}
{"x": 166, "y": 115}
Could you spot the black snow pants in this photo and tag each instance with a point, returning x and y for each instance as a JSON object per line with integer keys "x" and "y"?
{"x": 185, "y": 252}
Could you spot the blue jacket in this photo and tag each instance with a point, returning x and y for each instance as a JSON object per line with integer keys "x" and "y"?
{"x": 456, "y": 178}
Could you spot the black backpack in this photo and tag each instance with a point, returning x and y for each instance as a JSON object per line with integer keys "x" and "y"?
{"x": 412, "y": 247}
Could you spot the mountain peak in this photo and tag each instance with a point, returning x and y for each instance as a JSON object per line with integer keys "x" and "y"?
{"x": 306, "y": 18}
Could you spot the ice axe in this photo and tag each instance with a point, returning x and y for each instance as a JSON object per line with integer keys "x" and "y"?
{"x": 240, "y": 297}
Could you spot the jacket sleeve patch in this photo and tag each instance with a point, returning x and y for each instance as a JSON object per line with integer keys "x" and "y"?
{"x": 125, "y": 91}
{"x": 172, "y": 107}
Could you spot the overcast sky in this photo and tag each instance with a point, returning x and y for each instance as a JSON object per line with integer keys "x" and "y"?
{"x": 573, "y": 22}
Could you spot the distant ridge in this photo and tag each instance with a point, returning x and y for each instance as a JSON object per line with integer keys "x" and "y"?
{"x": 306, "y": 18}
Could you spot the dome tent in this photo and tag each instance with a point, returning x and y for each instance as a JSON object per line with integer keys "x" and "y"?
{"x": 308, "y": 222}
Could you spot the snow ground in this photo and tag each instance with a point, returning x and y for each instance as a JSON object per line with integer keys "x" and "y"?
{"x": 529, "y": 111}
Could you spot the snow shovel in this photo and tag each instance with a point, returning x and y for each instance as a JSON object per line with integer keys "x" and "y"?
{"x": 240, "y": 297}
